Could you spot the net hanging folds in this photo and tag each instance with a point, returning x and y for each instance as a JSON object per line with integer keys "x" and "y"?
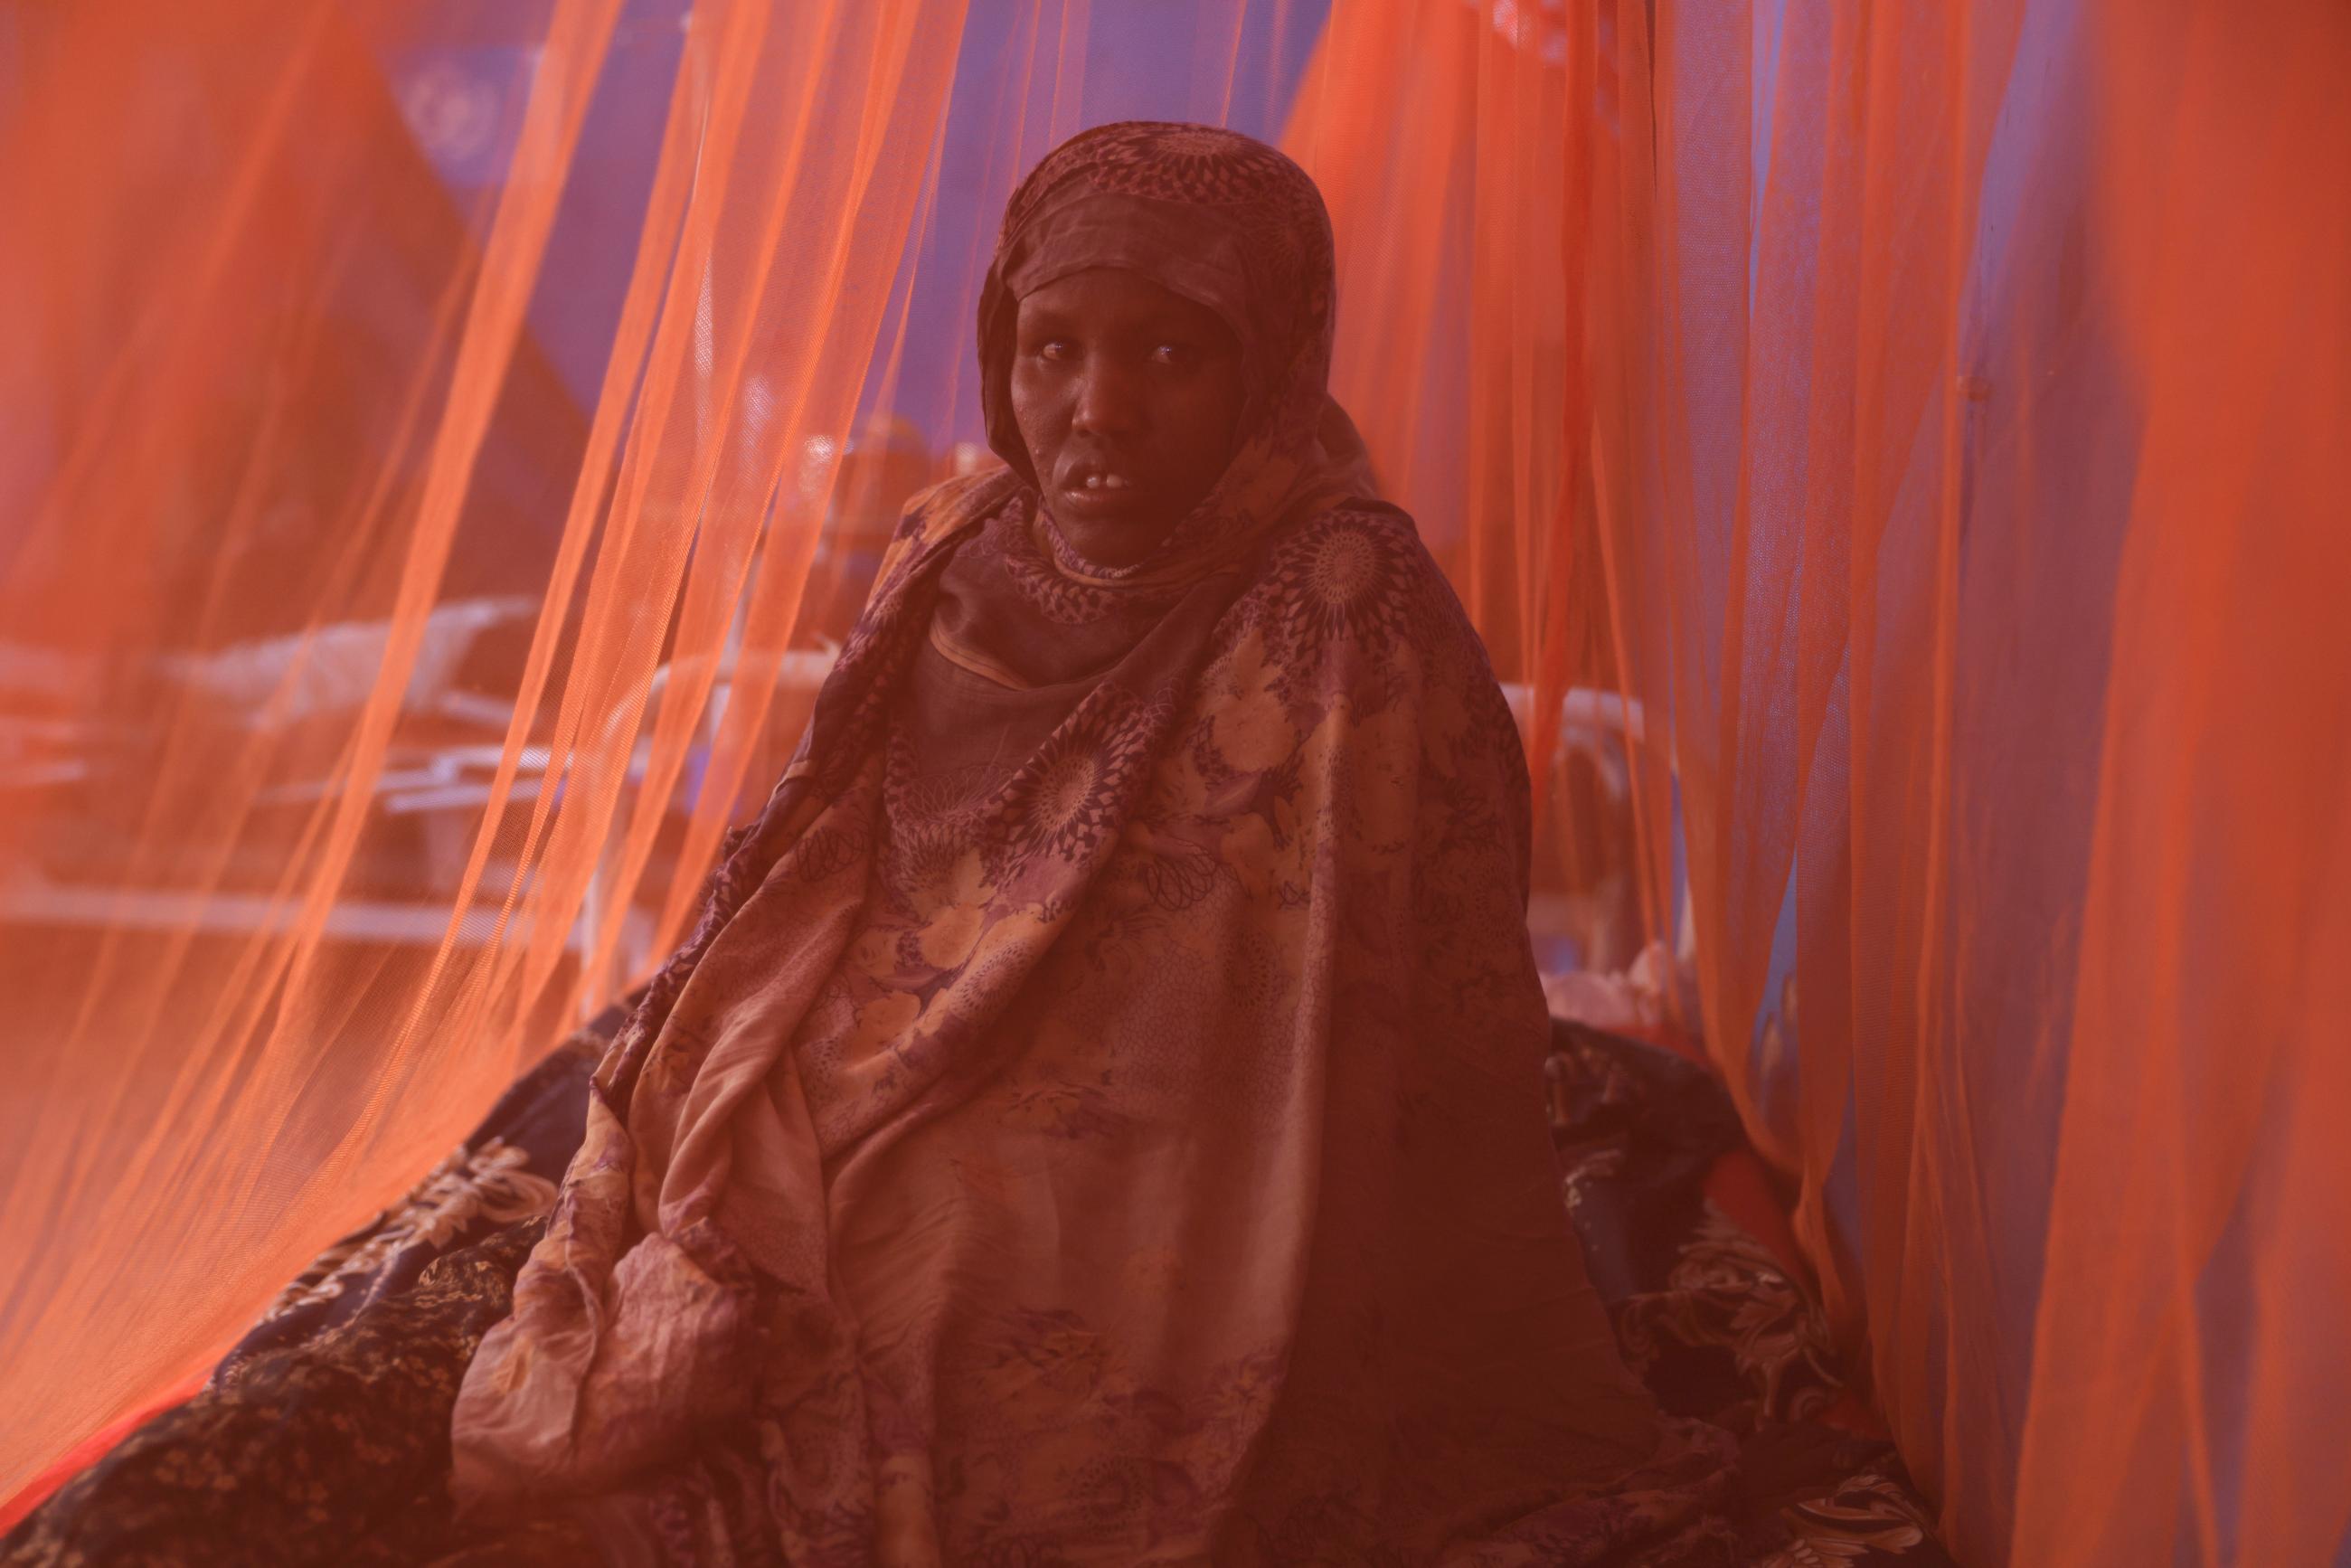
{"x": 1889, "y": 454}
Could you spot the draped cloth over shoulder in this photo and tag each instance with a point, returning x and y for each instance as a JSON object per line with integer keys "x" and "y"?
{"x": 1097, "y": 1114}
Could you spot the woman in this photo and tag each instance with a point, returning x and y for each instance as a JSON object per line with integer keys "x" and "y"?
{"x": 1098, "y": 1116}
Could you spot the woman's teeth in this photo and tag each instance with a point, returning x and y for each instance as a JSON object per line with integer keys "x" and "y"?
{"x": 1108, "y": 482}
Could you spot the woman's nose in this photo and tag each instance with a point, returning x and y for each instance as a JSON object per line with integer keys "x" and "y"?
{"x": 1106, "y": 401}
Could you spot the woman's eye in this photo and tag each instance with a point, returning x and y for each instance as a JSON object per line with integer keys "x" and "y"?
{"x": 1171, "y": 353}
{"x": 1053, "y": 349}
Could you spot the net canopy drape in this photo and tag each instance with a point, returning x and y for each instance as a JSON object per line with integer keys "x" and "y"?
{"x": 1894, "y": 446}
{"x": 1969, "y": 398}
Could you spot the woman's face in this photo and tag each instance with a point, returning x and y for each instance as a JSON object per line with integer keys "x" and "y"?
{"x": 1128, "y": 397}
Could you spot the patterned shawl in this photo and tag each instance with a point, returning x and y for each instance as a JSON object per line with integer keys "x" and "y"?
{"x": 1097, "y": 1115}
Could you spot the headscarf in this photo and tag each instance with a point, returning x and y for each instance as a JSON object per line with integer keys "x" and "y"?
{"x": 1097, "y": 1115}
{"x": 1228, "y": 223}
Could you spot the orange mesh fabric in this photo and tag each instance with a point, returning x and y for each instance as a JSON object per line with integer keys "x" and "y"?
{"x": 1962, "y": 376}
{"x": 1913, "y": 342}
{"x": 365, "y": 660}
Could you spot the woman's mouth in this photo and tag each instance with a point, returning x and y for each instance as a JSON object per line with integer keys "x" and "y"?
{"x": 1102, "y": 492}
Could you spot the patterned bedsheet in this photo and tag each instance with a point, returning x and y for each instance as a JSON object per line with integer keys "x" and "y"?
{"x": 322, "y": 1439}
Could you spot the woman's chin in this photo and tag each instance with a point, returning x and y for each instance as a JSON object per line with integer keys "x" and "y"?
{"x": 1111, "y": 540}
